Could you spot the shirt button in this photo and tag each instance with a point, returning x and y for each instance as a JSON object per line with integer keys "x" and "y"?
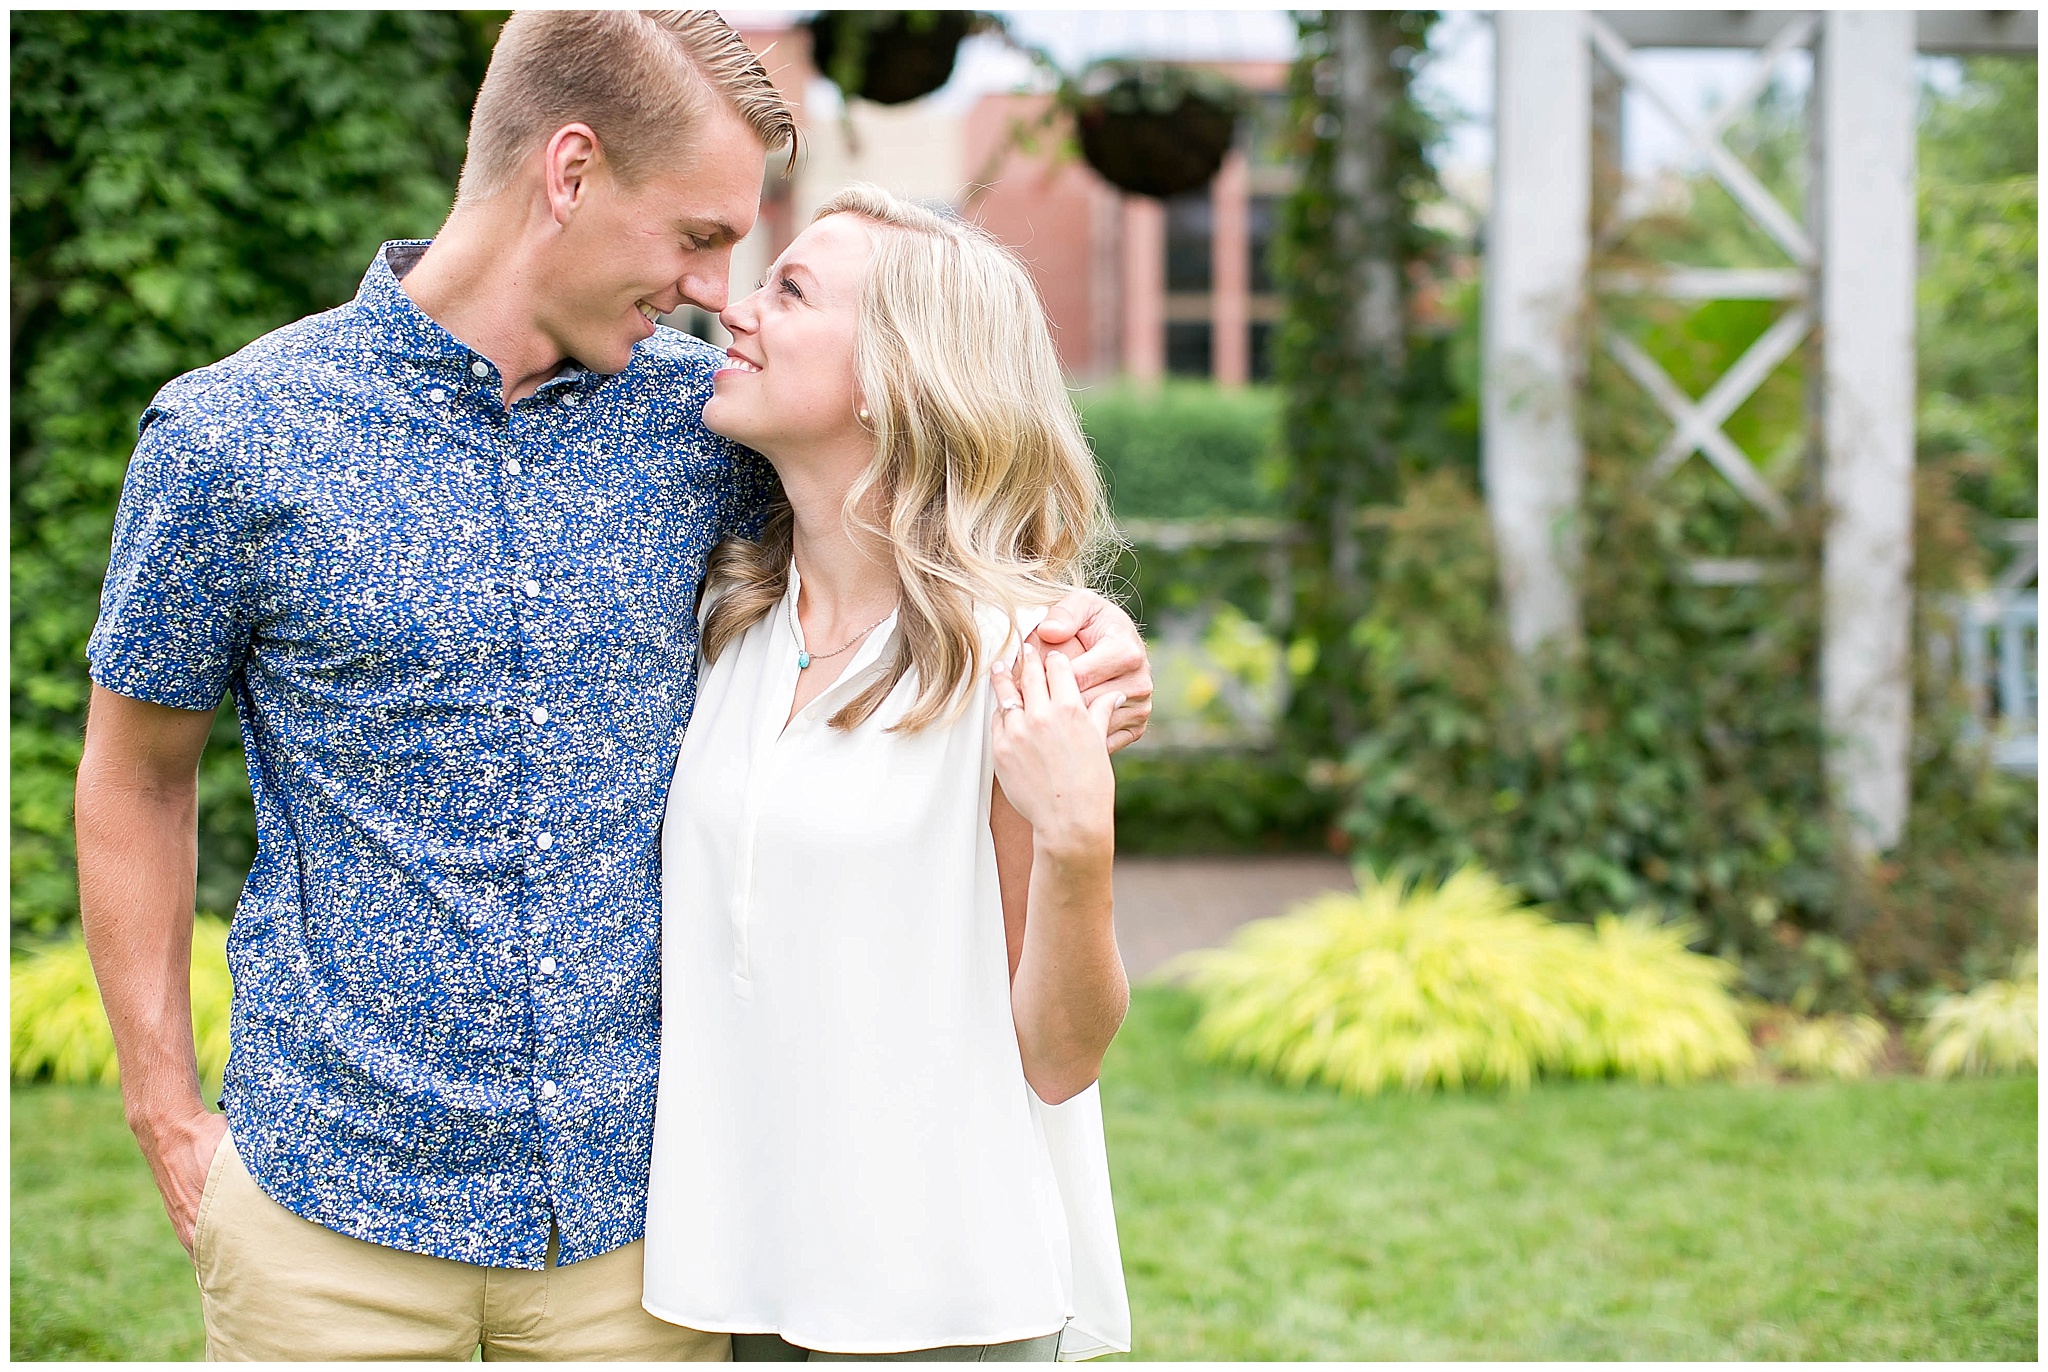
{"x": 512, "y": 466}
{"x": 437, "y": 395}
{"x": 544, "y": 841}
{"x": 548, "y": 1090}
{"x": 479, "y": 369}
{"x": 547, "y": 967}
{"x": 532, "y": 589}
{"x": 538, "y": 715}
{"x": 571, "y": 398}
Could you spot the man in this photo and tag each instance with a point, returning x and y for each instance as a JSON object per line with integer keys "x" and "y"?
{"x": 443, "y": 544}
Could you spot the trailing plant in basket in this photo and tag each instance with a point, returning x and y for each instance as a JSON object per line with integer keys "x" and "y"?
{"x": 889, "y": 56}
{"x": 1154, "y": 129}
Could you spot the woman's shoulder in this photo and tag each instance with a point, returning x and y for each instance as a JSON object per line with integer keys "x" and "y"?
{"x": 1003, "y": 631}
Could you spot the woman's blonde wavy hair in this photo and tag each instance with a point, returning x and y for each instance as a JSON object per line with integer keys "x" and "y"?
{"x": 982, "y": 489}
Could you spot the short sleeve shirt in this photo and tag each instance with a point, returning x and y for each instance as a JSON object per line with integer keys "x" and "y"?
{"x": 461, "y": 642}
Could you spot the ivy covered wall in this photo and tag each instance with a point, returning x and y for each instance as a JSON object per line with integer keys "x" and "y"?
{"x": 182, "y": 183}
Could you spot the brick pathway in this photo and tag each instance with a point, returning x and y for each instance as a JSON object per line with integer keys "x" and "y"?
{"x": 1166, "y": 906}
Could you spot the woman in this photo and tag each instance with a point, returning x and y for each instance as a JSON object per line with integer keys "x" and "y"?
{"x": 889, "y": 971}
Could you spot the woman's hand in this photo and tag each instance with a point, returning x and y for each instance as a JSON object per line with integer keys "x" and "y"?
{"x": 1108, "y": 659}
{"x": 1051, "y": 755}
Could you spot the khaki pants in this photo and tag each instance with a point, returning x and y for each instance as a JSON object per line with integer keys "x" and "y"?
{"x": 278, "y": 1288}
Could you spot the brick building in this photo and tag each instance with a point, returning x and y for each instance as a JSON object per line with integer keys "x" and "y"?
{"x": 1134, "y": 286}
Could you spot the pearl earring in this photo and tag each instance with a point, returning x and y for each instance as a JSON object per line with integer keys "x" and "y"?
{"x": 862, "y": 414}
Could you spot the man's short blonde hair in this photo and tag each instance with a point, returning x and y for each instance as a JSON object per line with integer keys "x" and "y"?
{"x": 641, "y": 79}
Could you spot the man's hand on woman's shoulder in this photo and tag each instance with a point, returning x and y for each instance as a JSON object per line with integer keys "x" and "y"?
{"x": 1110, "y": 661}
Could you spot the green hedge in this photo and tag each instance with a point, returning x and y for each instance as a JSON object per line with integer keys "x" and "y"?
{"x": 1186, "y": 449}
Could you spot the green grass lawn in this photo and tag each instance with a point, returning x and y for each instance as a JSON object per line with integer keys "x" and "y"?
{"x": 1888, "y": 1219}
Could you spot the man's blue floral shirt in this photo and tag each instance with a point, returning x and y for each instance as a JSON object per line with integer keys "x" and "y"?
{"x": 461, "y": 642}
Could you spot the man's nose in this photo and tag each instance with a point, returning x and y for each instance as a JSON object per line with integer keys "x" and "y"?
{"x": 707, "y": 284}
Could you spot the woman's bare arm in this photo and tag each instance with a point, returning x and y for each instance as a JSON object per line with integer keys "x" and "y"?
{"x": 1068, "y": 991}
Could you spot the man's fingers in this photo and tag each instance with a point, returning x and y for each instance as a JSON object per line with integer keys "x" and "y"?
{"x": 1068, "y": 617}
{"x": 1113, "y": 659}
{"x": 1102, "y": 711}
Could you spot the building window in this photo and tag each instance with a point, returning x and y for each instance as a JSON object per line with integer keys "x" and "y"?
{"x": 1263, "y": 224}
{"x": 1190, "y": 348}
{"x": 1262, "y": 351}
{"x": 1190, "y": 232}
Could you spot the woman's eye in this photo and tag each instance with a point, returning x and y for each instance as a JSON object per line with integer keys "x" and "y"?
{"x": 789, "y": 287}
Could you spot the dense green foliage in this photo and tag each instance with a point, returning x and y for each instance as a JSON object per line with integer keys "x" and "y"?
{"x": 182, "y": 183}
{"x": 1980, "y": 229}
{"x": 1584, "y": 1220}
{"x": 1217, "y": 802}
{"x": 1416, "y": 987}
{"x": 1356, "y": 419}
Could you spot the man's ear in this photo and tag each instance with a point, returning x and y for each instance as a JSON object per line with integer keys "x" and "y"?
{"x": 569, "y": 162}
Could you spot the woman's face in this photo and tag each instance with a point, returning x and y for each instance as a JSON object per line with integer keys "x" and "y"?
{"x": 787, "y": 384}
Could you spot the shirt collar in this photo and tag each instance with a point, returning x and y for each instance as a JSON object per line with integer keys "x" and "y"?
{"x": 395, "y": 322}
{"x": 400, "y": 326}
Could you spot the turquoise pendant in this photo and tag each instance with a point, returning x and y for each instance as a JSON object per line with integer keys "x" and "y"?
{"x": 803, "y": 659}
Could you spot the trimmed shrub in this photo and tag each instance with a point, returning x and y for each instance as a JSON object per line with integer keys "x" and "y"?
{"x": 1995, "y": 1028}
{"x": 1185, "y": 449}
{"x": 57, "y": 1029}
{"x": 1416, "y": 987}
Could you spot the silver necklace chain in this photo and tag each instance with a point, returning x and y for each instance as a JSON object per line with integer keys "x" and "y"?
{"x": 805, "y": 658}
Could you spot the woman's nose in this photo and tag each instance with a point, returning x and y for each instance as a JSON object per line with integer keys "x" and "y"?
{"x": 738, "y": 317}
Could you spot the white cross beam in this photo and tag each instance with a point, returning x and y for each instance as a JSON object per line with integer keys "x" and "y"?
{"x": 1749, "y": 192}
{"x": 1698, "y": 423}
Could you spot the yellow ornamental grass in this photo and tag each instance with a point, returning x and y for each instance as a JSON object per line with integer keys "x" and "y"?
{"x": 1995, "y": 1028}
{"x": 1841, "y": 1047}
{"x": 58, "y": 1031}
{"x": 1417, "y": 988}
{"x": 1655, "y": 1010}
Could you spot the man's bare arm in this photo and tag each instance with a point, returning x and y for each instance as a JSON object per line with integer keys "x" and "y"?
{"x": 138, "y": 842}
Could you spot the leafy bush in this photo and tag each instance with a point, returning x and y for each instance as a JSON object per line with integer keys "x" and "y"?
{"x": 1185, "y": 449}
{"x": 1980, "y": 241}
{"x": 1217, "y": 802}
{"x": 58, "y": 1031}
{"x": 1995, "y": 1028}
{"x": 1830, "y": 1047}
{"x": 1404, "y": 985}
{"x": 182, "y": 182}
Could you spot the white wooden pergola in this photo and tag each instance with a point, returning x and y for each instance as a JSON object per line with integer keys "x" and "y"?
{"x": 1849, "y": 270}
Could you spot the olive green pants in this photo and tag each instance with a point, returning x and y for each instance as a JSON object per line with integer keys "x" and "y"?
{"x": 775, "y": 1348}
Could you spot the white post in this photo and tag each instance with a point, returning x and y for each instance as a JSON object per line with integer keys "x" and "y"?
{"x": 1865, "y": 127}
{"x": 1536, "y": 249}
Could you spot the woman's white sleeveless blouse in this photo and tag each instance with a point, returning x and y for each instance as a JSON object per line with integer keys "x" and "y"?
{"x": 846, "y": 1152}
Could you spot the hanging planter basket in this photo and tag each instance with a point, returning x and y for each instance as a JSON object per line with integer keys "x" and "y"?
{"x": 888, "y": 56}
{"x": 1154, "y": 130}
